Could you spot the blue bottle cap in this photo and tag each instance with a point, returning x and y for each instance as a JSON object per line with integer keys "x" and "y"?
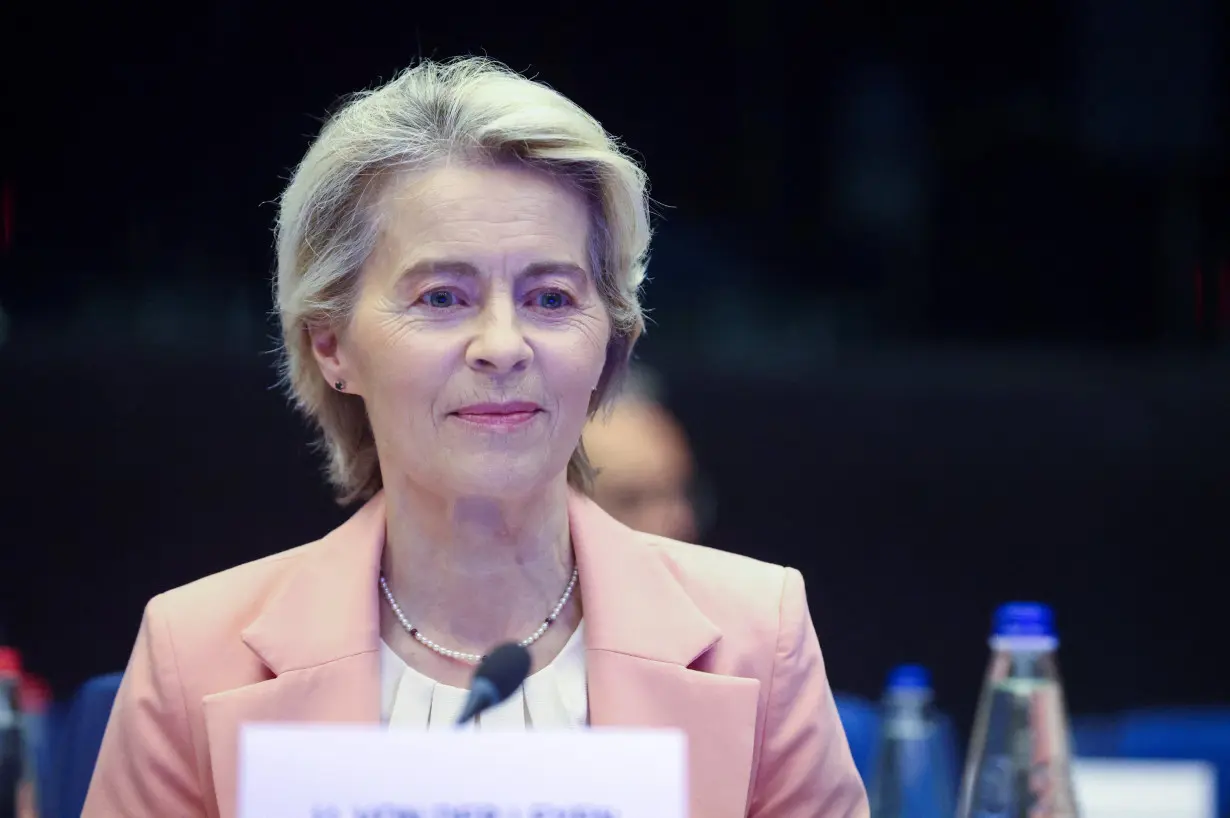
{"x": 909, "y": 677}
{"x": 1024, "y": 619}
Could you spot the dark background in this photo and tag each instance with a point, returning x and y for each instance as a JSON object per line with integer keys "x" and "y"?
{"x": 943, "y": 298}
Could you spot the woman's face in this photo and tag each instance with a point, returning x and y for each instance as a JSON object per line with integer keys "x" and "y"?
{"x": 478, "y": 335}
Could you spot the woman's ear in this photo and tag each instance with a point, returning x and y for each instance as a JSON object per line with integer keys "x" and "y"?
{"x": 330, "y": 354}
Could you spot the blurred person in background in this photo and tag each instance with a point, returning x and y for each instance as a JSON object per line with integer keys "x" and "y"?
{"x": 645, "y": 476}
{"x": 460, "y": 256}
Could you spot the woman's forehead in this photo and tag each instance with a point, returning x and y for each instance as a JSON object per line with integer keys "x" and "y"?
{"x": 484, "y": 218}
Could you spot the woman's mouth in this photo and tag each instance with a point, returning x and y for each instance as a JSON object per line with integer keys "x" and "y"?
{"x": 499, "y": 416}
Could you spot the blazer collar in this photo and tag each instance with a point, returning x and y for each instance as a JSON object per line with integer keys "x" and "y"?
{"x": 327, "y": 608}
{"x": 633, "y": 602}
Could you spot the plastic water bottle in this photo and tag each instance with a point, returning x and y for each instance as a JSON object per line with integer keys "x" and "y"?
{"x": 1018, "y": 764}
{"x": 11, "y": 755}
{"x": 912, "y": 777}
{"x": 35, "y": 700}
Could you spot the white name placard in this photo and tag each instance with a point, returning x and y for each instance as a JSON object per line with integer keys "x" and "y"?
{"x": 337, "y": 771}
{"x": 1121, "y": 788}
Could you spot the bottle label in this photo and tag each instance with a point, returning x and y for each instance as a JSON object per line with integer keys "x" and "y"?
{"x": 993, "y": 795}
{"x": 1024, "y": 760}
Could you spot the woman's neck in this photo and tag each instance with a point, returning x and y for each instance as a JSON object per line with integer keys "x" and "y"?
{"x": 472, "y": 572}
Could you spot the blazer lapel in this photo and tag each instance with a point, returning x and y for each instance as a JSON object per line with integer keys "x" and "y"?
{"x": 643, "y": 632}
{"x": 319, "y": 635}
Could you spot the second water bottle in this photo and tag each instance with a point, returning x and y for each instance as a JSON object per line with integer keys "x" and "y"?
{"x": 913, "y": 776}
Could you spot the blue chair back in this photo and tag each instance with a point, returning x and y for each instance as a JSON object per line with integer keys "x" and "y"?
{"x": 1096, "y": 736}
{"x": 861, "y": 721}
{"x": 77, "y": 739}
{"x": 44, "y": 760}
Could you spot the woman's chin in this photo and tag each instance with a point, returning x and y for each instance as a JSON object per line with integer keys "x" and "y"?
{"x": 496, "y": 475}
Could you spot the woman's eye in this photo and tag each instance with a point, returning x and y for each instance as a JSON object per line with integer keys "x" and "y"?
{"x": 441, "y": 299}
{"x": 551, "y": 300}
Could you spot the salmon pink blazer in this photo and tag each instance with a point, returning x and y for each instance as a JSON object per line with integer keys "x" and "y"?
{"x": 719, "y": 646}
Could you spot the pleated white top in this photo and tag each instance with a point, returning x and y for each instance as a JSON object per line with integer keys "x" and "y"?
{"x": 554, "y": 697}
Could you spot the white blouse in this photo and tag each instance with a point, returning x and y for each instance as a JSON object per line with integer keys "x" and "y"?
{"x": 554, "y": 697}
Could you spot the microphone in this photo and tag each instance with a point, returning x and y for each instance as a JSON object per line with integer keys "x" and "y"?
{"x": 498, "y": 676}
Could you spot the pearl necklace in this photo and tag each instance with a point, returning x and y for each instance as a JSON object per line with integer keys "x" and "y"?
{"x": 474, "y": 658}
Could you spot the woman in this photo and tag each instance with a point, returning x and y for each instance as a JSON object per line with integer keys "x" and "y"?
{"x": 459, "y": 257}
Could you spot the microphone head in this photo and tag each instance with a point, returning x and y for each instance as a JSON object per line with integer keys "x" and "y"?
{"x": 505, "y": 668}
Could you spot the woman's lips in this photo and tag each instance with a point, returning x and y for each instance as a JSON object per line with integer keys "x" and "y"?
{"x": 499, "y": 415}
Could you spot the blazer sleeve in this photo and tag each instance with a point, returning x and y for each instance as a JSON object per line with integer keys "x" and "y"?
{"x": 805, "y": 763}
{"x": 146, "y": 765}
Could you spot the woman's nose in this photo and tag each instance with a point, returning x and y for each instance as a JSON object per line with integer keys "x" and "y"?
{"x": 499, "y": 345}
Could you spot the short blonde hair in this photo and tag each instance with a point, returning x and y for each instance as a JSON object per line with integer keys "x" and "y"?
{"x": 474, "y": 110}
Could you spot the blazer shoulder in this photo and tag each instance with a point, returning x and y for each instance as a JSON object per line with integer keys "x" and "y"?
{"x": 205, "y": 619}
{"x": 232, "y": 590}
{"x": 725, "y": 584}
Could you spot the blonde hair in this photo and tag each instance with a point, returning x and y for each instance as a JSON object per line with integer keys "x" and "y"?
{"x": 475, "y": 110}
